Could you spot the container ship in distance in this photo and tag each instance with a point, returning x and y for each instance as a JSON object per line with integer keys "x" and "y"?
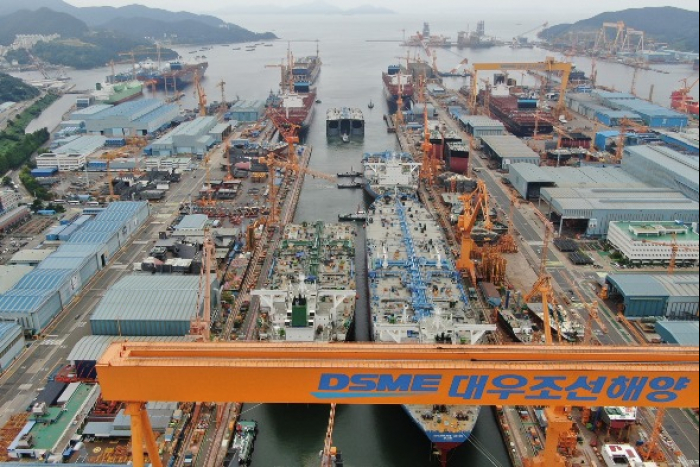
{"x": 345, "y": 122}
{"x": 417, "y": 296}
{"x": 390, "y": 172}
{"x": 398, "y": 84}
{"x": 310, "y": 292}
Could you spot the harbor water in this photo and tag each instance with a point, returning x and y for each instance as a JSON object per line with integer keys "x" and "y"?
{"x": 369, "y": 436}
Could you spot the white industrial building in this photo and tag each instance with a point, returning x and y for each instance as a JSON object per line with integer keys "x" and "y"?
{"x": 9, "y": 200}
{"x": 662, "y": 166}
{"x": 632, "y": 239}
{"x": 72, "y": 155}
{"x": 193, "y": 137}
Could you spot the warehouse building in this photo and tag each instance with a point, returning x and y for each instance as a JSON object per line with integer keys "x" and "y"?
{"x": 611, "y": 107}
{"x": 590, "y": 210}
{"x": 89, "y": 349}
{"x": 674, "y": 297}
{"x": 191, "y": 137}
{"x": 151, "y": 305}
{"x": 72, "y": 155}
{"x": 246, "y": 111}
{"x": 30, "y": 257}
{"x": 479, "y": 126}
{"x": 135, "y": 118}
{"x": 11, "y": 343}
{"x": 661, "y": 166}
{"x": 529, "y": 179}
{"x": 679, "y": 332}
{"x": 40, "y": 295}
{"x": 11, "y": 275}
{"x": 631, "y": 239}
{"x": 688, "y": 141}
{"x": 508, "y": 150}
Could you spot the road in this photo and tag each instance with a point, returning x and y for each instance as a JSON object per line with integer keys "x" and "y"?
{"x": 680, "y": 425}
{"x": 23, "y": 381}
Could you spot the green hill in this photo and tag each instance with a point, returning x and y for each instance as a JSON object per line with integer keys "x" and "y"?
{"x": 14, "y": 90}
{"x": 41, "y": 21}
{"x": 676, "y": 27}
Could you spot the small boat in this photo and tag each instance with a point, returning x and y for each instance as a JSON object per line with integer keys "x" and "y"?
{"x": 370, "y": 105}
{"x": 359, "y": 216}
{"x": 236, "y": 48}
{"x": 268, "y": 45}
{"x": 350, "y": 174}
{"x": 350, "y": 186}
{"x": 346, "y": 138}
{"x": 319, "y": 101}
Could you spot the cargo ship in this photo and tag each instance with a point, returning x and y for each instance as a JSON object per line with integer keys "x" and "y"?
{"x": 295, "y": 106}
{"x": 684, "y": 102}
{"x": 390, "y": 172}
{"x": 114, "y": 94}
{"x": 310, "y": 293}
{"x": 307, "y": 69}
{"x": 174, "y": 75}
{"x": 345, "y": 122}
{"x": 517, "y": 325}
{"x": 417, "y": 297}
{"x": 398, "y": 85}
{"x": 241, "y": 451}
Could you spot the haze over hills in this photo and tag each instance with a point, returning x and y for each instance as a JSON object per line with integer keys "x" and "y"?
{"x": 319, "y": 7}
{"x": 677, "y": 27}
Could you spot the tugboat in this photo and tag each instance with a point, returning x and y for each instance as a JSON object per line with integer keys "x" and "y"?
{"x": 370, "y": 105}
{"x": 354, "y": 185}
{"x": 350, "y": 174}
{"x": 359, "y": 216}
{"x": 243, "y": 441}
{"x": 346, "y": 138}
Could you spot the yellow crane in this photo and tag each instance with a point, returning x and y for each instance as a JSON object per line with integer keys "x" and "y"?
{"x": 548, "y": 66}
{"x": 474, "y": 203}
{"x": 625, "y": 125}
{"x": 507, "y": 243}
{"x": 675, "y": 249}
{"x": 593, "y": 313}
{"x": 201, "y": 95}
{"x": 109, "y": 157}
{"x": 273, "y": 164}
{"x": 201, "y": 325}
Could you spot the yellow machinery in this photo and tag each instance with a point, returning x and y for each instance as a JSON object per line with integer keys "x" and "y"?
{"x": 593, "y": 314}
{"x": 625, "y": 125}
{"x": 273, "y": 195}
{"x": 507, "y": 243}
{"x": 433, "y": 374}
{"x": 474, "y": 203}
{"x": 549, "y": 65}
{"x": 201, "y": 95}
{"x": 201, "y": 325}
{"x": 109, "y": 157}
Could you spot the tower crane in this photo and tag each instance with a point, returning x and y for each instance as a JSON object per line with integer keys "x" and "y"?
{"x": 284, "y": 81}
{"x": 201, "y": 324}
{"x": 625, "y": 125}
{"x": 201, "y": 95}
{"x": 473, "y": 203}
{"x": 675, "y": 249}
{"x": 224, "y": 105}
{"x": 507, "y": 243}
{"x": 272, "y": 163}
{"x": 109, "y": 157}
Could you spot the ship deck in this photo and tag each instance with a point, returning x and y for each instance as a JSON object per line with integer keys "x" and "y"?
{"x": 344, "y": 113}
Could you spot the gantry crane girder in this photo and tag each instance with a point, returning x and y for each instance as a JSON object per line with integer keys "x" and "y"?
{"x": 549, "y": 65}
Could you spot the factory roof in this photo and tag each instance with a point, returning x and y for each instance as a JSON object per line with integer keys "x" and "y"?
{"x": 670, "y": 159}
{"x": 44, "y": 279}
{"x": 133, "y": 110}
{"x": 242, "y": 106}
{"x": 150, "y": 298}
{"x": 66, "y": 260}
{"x": 11, "y": 275}
{"x": 195, "y": 129}
{"x": 93, "y": 110}
{"x": 509, "y": 147}
{"x": 7, "y": 328}
{"x": 480, "y": 121}
{"x": 193, "y": 222}
{"x": 19, "y": 301}
{"x": 658, "y": 231}
{"x": 683, "y": 332}
{"x": 585, "y": 176}
{"x": 220, "y": 128}
{"x": 83, "y": 145}
{"x": 637, "y": 199}
{"x": 91, "y": 348}
{"x": 157, "y": 113}
{"x": 657, "y": 285}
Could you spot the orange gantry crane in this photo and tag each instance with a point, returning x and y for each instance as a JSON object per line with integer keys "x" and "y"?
{"x": 507, "y": 243}
{"x": 410, "y": 374}
{"x": 675, "y": 249}
{"x": 474, "y": 203}
{"x": 548, "y": 66}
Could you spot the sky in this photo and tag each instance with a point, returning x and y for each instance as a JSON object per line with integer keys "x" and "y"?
{"x": 591, "y": 7}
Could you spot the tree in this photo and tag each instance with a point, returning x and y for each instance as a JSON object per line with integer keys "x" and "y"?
{"x": 6, "y": 181}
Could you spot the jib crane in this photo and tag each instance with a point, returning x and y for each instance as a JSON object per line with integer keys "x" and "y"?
{"x": 626, "y": 124}
{"x": 109, "y": 157}
{"x": 675, "y": 249}
{"x": 548, "y": 66}
{"x": 325, "y": 373}
{"x": 224, "y": 105}
{"x": 477, "y": 201}
{"x": 507, "y": 243}
{"x": 201, "y": 95}
{"x": 272, "y": 163}
{"x": 201, "y": 324}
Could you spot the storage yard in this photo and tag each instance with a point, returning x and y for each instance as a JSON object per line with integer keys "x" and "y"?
{"x": 178, "y": 232}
